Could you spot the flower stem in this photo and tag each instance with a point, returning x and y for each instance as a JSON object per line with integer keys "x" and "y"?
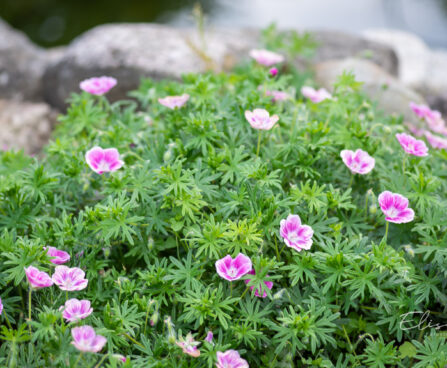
{"x": 352, "y": 179}
{"x": 276, "y": 248}
{"x": 29, "y": 308}
{"x": 7, "y": 321}
{"x": 133, "y": 340}
{"x": 79, "y": 358}
{"x": 259, "y": 144}
{"x": 282, "y": 249}
{"x": 231, "y": 289}
{"x": 245, "y": 292}
{"x": 102, "y": 359}
{"x": 386, "y": 231}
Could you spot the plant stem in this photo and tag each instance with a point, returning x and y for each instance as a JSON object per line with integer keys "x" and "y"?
{"x": 366, "y": 205}
{"x": 102, "y": 359}
{"x": 259, "y": 144}
{"x": 79, "y": 358}
{"x": 282, "y": 249}
{"x": 352, "y": 179}
{"x": 29, "y": 308}
{"x": 231, "y": 289}
{"x": 386, "y": 231}
{"x": 276, "y": 248}
{"x": 66, "y": 295}
{"x": 243, "y": 294}
{"x": 7, "y": 321}
{"x": 133, "y": 340}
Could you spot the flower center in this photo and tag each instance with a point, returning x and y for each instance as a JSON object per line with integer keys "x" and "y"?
{"x": 293, "y": 237}
{"x": 103, "y": 166}
{"x": 232, "y": 271}
{"x": 392, "y": 212}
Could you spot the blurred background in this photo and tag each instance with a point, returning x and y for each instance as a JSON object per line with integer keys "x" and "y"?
{"x": 56, "y": 22}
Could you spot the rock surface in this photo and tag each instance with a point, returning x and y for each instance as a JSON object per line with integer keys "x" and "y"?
{"x": 22, "y": 65}
{"x": 340, "y": 45}
{"x": 392, "y": 95}
{"x": 25, "y": 125}
{"x": 419, "y": 67}
{"x": 129, "y": 52}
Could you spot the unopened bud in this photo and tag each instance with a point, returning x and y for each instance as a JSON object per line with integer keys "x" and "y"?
{"x": 372, "y": 209}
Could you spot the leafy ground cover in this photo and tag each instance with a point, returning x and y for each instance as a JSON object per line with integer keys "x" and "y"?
{"x": 217, "y": 233}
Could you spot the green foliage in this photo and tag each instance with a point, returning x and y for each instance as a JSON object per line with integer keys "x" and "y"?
{"x": 193, "y": 190}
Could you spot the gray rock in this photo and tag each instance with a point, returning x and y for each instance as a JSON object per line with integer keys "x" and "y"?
{"x": 411, "y": 50}
{"x": 340, "y": 45}
{"x": 25, "y": 125}
{"x": 392, "y": 96}
{"x": 22, "y": 65}
{"x": 129, "y": 52}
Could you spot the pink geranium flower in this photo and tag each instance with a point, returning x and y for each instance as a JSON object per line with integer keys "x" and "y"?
{"x": 189, "y": 346}
{"x": 120, "y": 357}
{"x": 209, "y": 337}
{"x": 86, "y": 340}
{"x": 269, "y": 284}
{"x": 359, "y": 162}
{"x": 98, "y": 85}
{"x": 230, "y": 359}
{"x": 38, "y": 279}
{"x": 295, "y": 235}
{"x": 420, "y": 110}
{"x": 75, "y": 310}
{"x": 59, "y": 256}
{"x": 436, "y": 141}
{"x": 273, "y": 72}
{"x": 395, "y": 207}
{"x": 103, "y": 160}
{"x": 261, "y": 119}
{"x": 314, "y": 95}
{"x": 174, "y": 101}
{"x": 233, "y": 269}
{"x": 412, "y": 145}
{"x": 266, "y": 57}
{"x": 69, "y": 279}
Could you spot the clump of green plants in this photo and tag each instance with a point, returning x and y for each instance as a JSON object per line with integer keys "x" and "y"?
{"x": 231, "y": 220}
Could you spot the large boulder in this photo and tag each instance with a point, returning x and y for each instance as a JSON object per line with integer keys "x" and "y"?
{"x": 25, "y": 125}
{"x": 341, "y": 45}
{"x": 392, "y": 95}
{"x": 22, "y": 65}
{"x": 129, "y": 52}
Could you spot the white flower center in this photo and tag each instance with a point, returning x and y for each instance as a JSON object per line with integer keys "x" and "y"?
{"x": 103, "y": 166}
{"x": 232, "y": 271}
{"x": 293, "y": 237}
{"x": 392, "y": 212}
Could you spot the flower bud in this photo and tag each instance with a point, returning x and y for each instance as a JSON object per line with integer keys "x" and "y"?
{"x": 372, "y": 209}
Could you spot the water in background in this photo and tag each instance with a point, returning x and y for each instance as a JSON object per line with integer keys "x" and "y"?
{"x": 56, "y": 22}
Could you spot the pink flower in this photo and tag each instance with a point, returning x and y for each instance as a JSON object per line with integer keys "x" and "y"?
{"x": 189, "y": 346}
{"x": 412, "y": 145}
{"x": 359, "y": 162}
{"x": 233, "y": 269}
{"x": 59, "y": 256}
{"x": 103, "y": 160}
{"x": 75, "y": 310}
{"x": 273, "y": 72}
{"x": 69, "y": 279}
{"x": 266, "y": 58}
{"x": 1, "y": 307}
{"x": 314, "y": 95}
{"x": 174, "y": 101}
{"x": 418, "y": 132}
{"x": 209, "y": 337}
{"x": 395, "y": 207}
{"x": 98, "y": 85}
{"x": 230, "y": 359}
{"x": 86, "y": 340}
{"x": 120, "y": 357}
{"x": 261, "y": 119}
{"x": 295, "y": 235}
{"x": 38, "y": 279}
{"x": 420, "y": 110}
{"x": 435, "y": 141}
{"x": 269, "y": 284}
